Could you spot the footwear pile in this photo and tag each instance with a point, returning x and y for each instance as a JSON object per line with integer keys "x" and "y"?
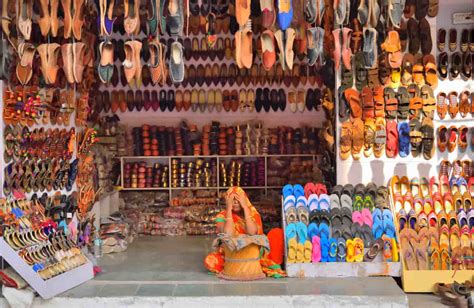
{"x": 337, "y": 227}
{"x": 461, "y": 62}
{"x": 376, "y": 122}
{"x": 43, "y": 247}
{"x": 435, "y": 219}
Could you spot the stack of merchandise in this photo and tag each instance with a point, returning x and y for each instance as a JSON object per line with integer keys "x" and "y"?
{"x": 246, "y": 139}
{"x": 115, "y": 233}
{"x": 139, "y": 175}
{"x": 136, "y": 205}
{"x": 41, "y": 244}
{"x": 242, "y": 173}
{"x": 191, "y": 198}
{"x": 281, "y": 170}
{"x": 436, "y": 219}
{"x": 200, "y": 219}
{"x": 269, "y": 212}
{"x": 337, "y": 227}
{"x": 197, "y": 173}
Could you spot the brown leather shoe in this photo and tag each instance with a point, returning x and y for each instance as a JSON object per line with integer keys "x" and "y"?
{"x": 186, "y": 100}
{"x": 78, "y": 18}
{"x": 234, "y": 100}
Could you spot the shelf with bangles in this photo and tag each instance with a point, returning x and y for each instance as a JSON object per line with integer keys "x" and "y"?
{"x": 166, "y": 173}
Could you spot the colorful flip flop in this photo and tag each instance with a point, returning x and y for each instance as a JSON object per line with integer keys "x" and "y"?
{"x": 324, "y": 230}
{"x": 289, "y": 206}
{"x": 341, "y": 250}
{"x": 302, "y": 210}
{"x": 324, "y": 249}
{"x": 316, "y": 253}
{"x": 332, "y": 250}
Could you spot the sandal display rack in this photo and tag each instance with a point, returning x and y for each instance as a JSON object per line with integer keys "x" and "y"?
{"x": 46, "y": 288}
{"x": 339, "y": 269}
{"x": 424, "y": 281}
{"x": 167, "y": 160}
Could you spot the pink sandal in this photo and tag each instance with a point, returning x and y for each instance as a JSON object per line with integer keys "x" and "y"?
{"x": 316, "y": 254}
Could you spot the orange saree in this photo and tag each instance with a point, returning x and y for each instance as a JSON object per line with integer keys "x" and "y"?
{"x": 214, "y": 262}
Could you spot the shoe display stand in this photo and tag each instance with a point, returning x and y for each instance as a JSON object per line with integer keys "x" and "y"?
{"x": 46, "y": 288}
{"x": 380, "y": 170}
{"x": 339, "y": 269}
{"x": 424, "y": 281}
{"x": 166, "y": 160}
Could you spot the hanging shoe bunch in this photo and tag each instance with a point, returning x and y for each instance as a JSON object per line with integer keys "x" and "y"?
{"x": 44, "y": 40}
{"x": 388, "y": 77}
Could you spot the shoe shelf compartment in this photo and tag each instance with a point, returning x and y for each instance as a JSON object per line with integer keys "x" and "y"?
{"x": 46, "y": 288}
{"x": 424, "y": 281}
{"x": 167, "y": 161}
{"x": 339, "y": 269}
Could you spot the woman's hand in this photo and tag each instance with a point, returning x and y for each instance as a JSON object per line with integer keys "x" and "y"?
{"x": 243, "y": 201}
{"x": 229, "y": 202}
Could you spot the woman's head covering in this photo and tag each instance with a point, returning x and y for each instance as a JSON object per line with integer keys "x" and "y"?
{"x": 237, "y": 190}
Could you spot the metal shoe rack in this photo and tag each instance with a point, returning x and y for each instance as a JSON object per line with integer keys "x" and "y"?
{"x": 168, "y": 159}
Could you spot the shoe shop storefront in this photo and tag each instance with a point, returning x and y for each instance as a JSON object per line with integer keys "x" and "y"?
{"x": 173, "y": 152}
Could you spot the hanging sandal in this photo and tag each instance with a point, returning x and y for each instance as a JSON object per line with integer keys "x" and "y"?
{"x": 403, "y": 103}
{"x": 428, "y": 138}
{"x": 391, "y": 103}
{"x": 415, "y": 137}
{"x": 430, "y": 71}
{"x": 429, "y": 102}
{"x": 24, "y": 68}
{"x": 416, "y": 103}
{"x": 453, "y": 105}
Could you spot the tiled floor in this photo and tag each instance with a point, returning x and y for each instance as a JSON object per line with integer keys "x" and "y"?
{"x": 172, "y": 266}
{"x": 159, "y": 269}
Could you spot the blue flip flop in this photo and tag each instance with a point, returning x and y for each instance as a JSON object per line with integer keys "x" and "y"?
{"x": 388, "y": 226}
{"x": 324, "y": 231}
{"x": 377, "y": 225}
{"x": 332, "y": 250}
{"x": 302, "y": 232}
{"x": 313, "y": 230}
{"x": 324, "y": 249}
{"x": 341, "y": 250}
{"x": 298, "y": 190}
{"x": 287, "y": 190}
{"x": 290, "y": 231}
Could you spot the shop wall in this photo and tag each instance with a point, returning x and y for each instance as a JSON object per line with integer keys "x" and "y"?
{"x": 381, "y": 170}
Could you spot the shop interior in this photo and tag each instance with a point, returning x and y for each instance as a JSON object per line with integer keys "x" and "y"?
{"x": 142, "y": 140}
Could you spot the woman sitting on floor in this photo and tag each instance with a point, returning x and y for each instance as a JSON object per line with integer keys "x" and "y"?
{"x": 241, "y": 247}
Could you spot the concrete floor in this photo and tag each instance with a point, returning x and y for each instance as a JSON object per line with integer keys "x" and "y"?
{"x": 168, "y": 272}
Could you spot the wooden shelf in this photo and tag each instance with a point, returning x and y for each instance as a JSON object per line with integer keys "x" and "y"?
{"x": 167, "y": 160}
{"x": 219, "y": 156}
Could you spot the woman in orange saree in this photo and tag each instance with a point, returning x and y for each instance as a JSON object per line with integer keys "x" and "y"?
{"x": 240, "y": 218}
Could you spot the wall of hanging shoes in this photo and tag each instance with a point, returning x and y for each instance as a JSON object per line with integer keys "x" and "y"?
{"x": 223, "y": 63}
{"x": 404, "y": 101}
{"x": 47, "y": 69}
